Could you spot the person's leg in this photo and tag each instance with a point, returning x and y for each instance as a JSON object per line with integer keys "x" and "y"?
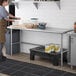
{"x": 2, "y": 57}
{"x": 4, "y": 50}
{"x": 1, "y": 46}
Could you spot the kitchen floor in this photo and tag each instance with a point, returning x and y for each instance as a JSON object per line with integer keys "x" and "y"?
{"x": 40, "y": 61}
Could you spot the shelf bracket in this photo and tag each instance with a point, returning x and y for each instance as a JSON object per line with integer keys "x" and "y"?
{"x": 36, "y": 4}
{"x": 58, "y": 4}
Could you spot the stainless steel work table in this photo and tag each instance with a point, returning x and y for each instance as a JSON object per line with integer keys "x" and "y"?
{"x": 47, "y": 30}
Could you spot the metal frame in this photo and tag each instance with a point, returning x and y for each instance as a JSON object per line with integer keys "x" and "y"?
{"x": 61, "y": 50}
{"x": 70, "y": 34}
{"x": 11, "y": 42}
{"x": 62, "y": 33}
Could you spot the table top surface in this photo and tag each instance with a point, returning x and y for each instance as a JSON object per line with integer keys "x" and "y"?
{"x": 47, "y": 30}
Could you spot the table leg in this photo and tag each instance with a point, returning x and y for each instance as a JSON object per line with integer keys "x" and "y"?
{"x": 32, "y": 56}
{"x": 20, "y": 38}
{"x": 61, "y": 50}
{"x": 71, "y": 67}
{"x": 55, "y": 60}
{"x": 11, "y": 42}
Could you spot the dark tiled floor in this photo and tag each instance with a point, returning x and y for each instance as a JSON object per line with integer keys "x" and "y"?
{"x": 17, "y": 68}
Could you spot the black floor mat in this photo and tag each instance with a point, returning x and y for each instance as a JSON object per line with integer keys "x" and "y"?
{"x": 18, "y": 68}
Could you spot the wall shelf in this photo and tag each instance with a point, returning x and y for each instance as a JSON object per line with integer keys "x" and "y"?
{"x": 35, "y": 2}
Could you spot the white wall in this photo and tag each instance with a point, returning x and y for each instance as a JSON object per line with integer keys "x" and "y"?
{"x": 48, "y": 12}
{"x": 68, "y": 11}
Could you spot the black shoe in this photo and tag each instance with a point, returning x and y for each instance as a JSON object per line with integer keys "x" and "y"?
{"x": 4, "y": 58}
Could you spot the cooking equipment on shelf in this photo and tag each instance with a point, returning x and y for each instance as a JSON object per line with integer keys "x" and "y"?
{"x": 42, "y": 25}
{"x": 34, "y": 20}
